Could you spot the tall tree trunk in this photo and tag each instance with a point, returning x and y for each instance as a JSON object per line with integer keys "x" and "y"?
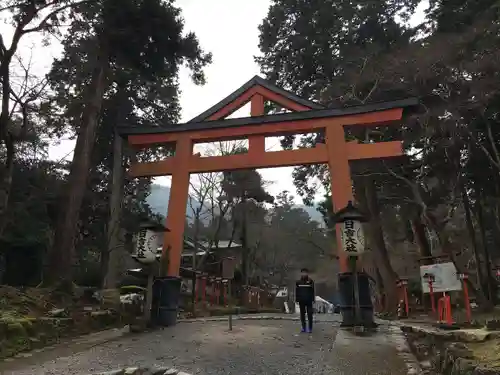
{"x": 382, "y": 259}
{"x": 472, "y": 235}
{"x": 448, "y": 248}
{"x": 421, "y": 239}
{"x": 6, "y": 181}
{"x": 61, "y": 254}
{"x": 380, "y": 288}
{"x": 115, "y": 243}
{"x": 489, "y": 264}
{"x": 6, "y": 117}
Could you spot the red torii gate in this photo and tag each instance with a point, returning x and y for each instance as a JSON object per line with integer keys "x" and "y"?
{"x": 307, "y": 117}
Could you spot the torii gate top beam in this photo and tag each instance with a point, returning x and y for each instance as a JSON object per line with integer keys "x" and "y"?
{"x": 270, "y": 125}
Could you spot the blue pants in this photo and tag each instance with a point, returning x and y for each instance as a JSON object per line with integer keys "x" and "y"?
{"x": 306, "y": 308}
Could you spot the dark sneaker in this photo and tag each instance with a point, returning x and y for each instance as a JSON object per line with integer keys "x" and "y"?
{"x": 309, "y": 330}
{"x": 303, "y": 330}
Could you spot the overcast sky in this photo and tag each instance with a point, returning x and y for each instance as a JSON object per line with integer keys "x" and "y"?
{"x": 228, "y": 29}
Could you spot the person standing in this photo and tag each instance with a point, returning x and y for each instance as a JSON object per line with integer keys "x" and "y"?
{"x": 304, "y": 296}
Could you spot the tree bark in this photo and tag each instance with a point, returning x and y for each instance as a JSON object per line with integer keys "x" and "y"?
{"x": 114, "y": 225}
{"x": 489, "y": 264}
{"x": 6, "y": 182}
{"x": 448, "y": 248}
{"x": 5, "y": 119}
{"x": 61, "y": 254}
{"x": 382, "y": 259}
{"x": 472, "y": 235}
{"x": 421, "y": 239}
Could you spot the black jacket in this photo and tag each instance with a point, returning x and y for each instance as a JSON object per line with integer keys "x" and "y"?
{"x": 304, "y": 291}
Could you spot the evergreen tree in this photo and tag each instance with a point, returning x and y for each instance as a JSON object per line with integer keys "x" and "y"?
{"x": 120, "y": 67}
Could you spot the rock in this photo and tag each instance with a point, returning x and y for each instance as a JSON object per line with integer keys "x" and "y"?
{"x": 426, "y": 365}
{"x": 485, "y": 371}
{"x": 144, "y": 371}
{"x": 160, "y": 371}
{"x": 110, "y": 297}
{"x": 57, "y": 313}
{"x": 131, "y": 371}
{"x": 23, "y": 355}
{"x": 493, "y": 324}
{"x": 462, "y": 366}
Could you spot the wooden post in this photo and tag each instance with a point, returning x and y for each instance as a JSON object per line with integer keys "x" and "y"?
{"x": 204, "y": 289}
{"x": 431, "y": 293}
{"x": 230, "y": 318}
{"x": 342, "y": 187}
{"x": 404, "y": 285}
{"x": 176, "y": 215}
{"x": 149, "y": 297}
{"x": 218, "y": 287}
{"x": 224, "y": 294}
{"x": 214, "y": 291}
{"x": 464, "y": 277}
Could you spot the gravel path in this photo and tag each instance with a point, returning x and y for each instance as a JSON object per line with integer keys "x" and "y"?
{"x": 253, "y": 347}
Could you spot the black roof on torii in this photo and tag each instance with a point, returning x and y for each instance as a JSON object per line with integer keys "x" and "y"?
{"x": 317, "y": 111}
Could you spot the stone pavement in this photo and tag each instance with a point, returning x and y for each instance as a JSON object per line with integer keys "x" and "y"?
{"x": 463, "y": 334}
{"x": 265, "y": 346}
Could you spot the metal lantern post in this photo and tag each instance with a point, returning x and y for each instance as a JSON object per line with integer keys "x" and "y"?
{"x": 228, "y": 266}
{"x": 147, "y": 251}
{"x": 353, "y": 242}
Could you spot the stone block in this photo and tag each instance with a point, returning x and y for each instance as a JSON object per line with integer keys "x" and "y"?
{"x": 493, "y": 325}
{"x": 162, "y": 371}
{"x": 462, "y": 366}
{"x": 112, "y": 372}
{"x": 485, "y": 371}
{"x": 132, "y": 371}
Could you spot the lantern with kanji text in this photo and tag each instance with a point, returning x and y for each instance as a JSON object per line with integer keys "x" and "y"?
{"x": 351, "y": 231}
{"x": 148, "y": 242}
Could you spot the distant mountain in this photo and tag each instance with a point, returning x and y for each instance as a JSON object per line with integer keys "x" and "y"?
{"x": 158, "y": 200}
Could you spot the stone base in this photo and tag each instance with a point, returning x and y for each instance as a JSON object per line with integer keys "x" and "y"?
{"x": 346, "y": 288}
{"x": 349, "y": 318}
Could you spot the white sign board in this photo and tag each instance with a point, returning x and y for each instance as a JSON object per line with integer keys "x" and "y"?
{"x": 147, "y": 244}
{"x": 445, "y": 277}
{"x": 353, "y": 239}
{"x": 187, "y": 286}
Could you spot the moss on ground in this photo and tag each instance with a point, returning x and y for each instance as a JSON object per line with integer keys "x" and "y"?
{"x": 487, "y": 353}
